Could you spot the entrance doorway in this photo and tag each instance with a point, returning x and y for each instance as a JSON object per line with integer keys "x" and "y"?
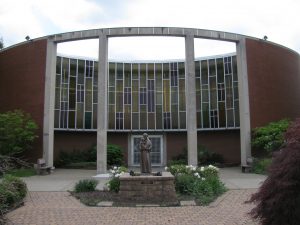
{"x": 156, "y": 152}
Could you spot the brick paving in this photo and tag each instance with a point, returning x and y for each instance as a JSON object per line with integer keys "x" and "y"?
{"x": 59, "y": 208}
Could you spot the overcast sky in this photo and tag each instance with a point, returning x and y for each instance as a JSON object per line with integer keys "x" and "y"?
{"x": 279, "y": 20}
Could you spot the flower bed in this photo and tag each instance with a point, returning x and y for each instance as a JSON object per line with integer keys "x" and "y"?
{"x": 201, "y": 183}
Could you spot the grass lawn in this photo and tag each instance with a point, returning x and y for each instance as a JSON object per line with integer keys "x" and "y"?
{"x": 22, "y": 172}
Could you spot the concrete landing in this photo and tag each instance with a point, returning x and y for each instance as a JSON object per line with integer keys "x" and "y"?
{"x": 65, "y": 179}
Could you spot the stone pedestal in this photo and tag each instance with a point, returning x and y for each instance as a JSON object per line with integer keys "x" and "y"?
{"x": 148, "y": 189}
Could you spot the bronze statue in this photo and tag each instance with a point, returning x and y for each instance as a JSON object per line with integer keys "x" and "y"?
{"x": 145, "y": 149}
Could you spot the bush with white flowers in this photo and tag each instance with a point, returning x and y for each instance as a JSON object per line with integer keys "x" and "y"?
{"x": 200, "y": 172}
{"x": 201, "y": 182}
{"x": 114, "y": 183}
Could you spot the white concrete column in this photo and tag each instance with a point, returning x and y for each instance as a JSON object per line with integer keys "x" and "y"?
{"x": 245, "y": 129}
{"x": 102, "y": 105}
{"x": 191, "y": 100}
{"x": 49, "y": 99}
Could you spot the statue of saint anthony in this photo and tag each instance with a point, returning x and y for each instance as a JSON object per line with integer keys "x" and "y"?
{"x": 145, "y": 148}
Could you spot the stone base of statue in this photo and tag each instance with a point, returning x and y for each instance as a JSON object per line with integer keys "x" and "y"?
{"x": 148, "y": 189}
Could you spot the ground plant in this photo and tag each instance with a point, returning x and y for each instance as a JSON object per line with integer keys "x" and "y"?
{"x": 114, "y": 183}
{"x": 22, "y": 172}
{"x": 205, "y": 157}
{"x": 278, "y": 199}
{"x": 12, "y": 192}
{"x": 15, "y": 166}
{"x": 86, "y": 185}
{"x": 78, "y": 159}
{"x": 202, "y": 183}
{"x": 261, "y": 166}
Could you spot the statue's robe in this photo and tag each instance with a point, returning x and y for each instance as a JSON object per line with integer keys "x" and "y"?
{"x": 145, "y": 148}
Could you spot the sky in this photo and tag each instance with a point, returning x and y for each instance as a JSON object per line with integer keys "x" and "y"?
{"x": 278, "y": 20}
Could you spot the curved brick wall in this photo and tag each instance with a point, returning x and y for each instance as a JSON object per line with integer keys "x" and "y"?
{"x": 22, "y": 84}
{"x": 274, "y": 82}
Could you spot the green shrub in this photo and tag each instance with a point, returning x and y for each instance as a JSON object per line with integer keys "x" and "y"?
{"x": 114, "y": 155}
{"x": 209, "y": 171}
{"x": 260, "y": 166}
{"x": 176, "y": 162}
{"x": 184, "y": 183}
{"x": 207, "y": 190}
{"x": 77, "y": 156}
{"x": 203, "y": 183}
{"x": 269, "y": 138}
{"x": 17, "y": 133}
{"x": 12, "y": 192}
{"x": 86, "y": 185}
{"x": 179, "y": 169}
{"x": 205, "y": 157}
{"x": 114, "y": 183}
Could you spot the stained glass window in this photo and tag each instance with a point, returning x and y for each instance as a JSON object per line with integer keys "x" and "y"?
{"x": 147, "y": 96}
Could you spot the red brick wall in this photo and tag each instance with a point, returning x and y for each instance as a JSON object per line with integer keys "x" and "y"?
{"x": 175, "y": 143}
{"x": 22, "y": 84}
{"x": 274, "y": 82}
{"x": 68, "y": 141}
{"x": 226, "y": 143}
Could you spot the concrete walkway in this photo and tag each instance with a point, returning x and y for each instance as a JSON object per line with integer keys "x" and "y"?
{"x": 233, "y": 178}
{"x": 65, "y": 179}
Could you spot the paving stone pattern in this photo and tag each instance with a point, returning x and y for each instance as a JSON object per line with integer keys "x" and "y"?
{"x": 59, "y": 208}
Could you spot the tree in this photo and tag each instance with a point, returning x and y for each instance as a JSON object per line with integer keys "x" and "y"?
{"x": 17, "y": 133}
{"x": 269, "y": 138}
{"x": 1, "y": 43}
{"x": 278, "y": 199}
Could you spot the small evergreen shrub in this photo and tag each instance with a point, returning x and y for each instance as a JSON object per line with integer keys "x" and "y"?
{"x": 269, "y": 138}
{"x": 278, "y": 199}
{"x": 86, "y": 185}
{"x": 114, "y": 155}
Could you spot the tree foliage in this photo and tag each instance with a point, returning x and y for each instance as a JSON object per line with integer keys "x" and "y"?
{"x": 270, "y": 137}
{"x": 1, "y": 43}
{"x": 278, "y": 199}
{"x": 17, "y": 133}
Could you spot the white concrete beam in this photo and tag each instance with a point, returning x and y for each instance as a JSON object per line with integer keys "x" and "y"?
{"x": 102, "y": 105}
{"x": 245, "y": 128}
{"x": 49, "y": 99}
{"x": 191, "y": 119}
